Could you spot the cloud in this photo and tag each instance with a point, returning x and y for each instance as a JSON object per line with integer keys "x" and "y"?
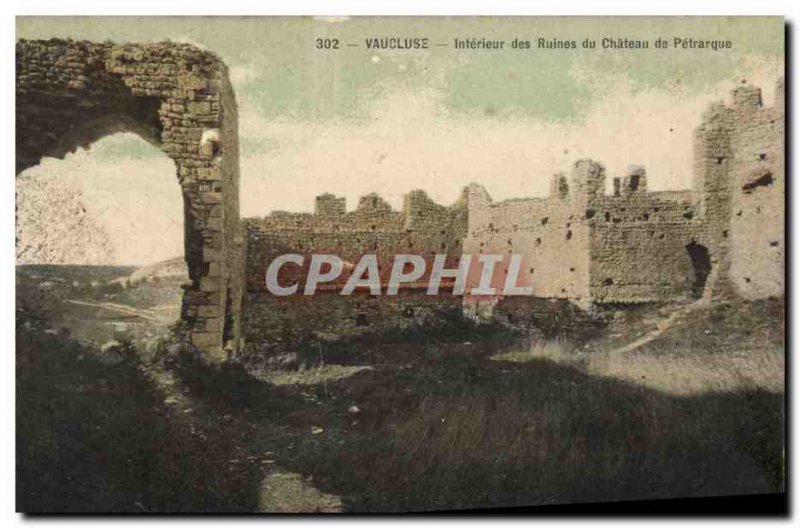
{"x": 243, "y": 74}
{"x": 411, "y": 141}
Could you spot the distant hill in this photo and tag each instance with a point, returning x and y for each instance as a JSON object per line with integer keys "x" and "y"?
{"x": 174, "y": 268}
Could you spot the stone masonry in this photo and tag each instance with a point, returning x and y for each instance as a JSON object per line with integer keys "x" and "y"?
{"x": 723, "y": 237}
{"x": 422, "y": 228}
{"x": 581, "y": 245}
{"x": 177, "y": 97}
{"x": 740, "y": 181}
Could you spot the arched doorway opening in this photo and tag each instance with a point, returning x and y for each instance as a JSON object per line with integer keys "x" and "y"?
{"x": 108, "y": 221}
{"x": 70, "y": 94}
{"x": 701, "y": 267}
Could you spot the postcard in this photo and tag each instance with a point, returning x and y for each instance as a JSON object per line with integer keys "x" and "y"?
{"x": 398, "y": 264}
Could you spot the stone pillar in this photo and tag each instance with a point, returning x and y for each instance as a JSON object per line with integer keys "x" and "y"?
{"x": 588, "y": 182}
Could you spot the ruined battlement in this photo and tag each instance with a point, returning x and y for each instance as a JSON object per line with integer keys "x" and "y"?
{"x": 372, "y": 214}
{"x": 585, "y": 200}
{"x": 423, "y": 227}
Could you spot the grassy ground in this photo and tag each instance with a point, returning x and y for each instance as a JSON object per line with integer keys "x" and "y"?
{"x": 96, "y": 432}
{"x": 454, "y": 421}
{"x": 453, "y": 427}
{"x": 725, "y": 348}
{"x": 95, "y": 437}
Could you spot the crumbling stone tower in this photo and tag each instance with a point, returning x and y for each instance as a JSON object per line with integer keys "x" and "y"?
{"x": 740, "y": 179}
{"x": 177, "y": 97}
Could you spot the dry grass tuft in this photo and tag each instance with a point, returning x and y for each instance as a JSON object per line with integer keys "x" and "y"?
{"x": 722, "y": 349}
{"x": 558, "y": 350}
{"x": 754, "y": 369}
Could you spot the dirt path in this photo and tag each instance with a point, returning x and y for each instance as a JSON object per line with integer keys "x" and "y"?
{"x": 280, "y": 491}
{"x": 118, "y": 308}
{"x": 661, "y": 326}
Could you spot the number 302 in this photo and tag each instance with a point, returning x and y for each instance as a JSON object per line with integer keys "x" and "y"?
{"x": 327, "y": 43}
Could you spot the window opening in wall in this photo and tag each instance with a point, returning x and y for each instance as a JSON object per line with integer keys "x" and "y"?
{"x": 763, "y": 180}
{"x": 633, "y": 185}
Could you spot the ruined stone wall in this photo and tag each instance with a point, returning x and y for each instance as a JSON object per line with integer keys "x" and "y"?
{"x": 740, "y": 161}
{"x": 177, "y": 97}
{"x": 638, "y": 246}
{"x": 422, "y": 228}
{"x": 551, "y": 234}
{"x": 582, "y": 245}
{"x": 279, "y": 324}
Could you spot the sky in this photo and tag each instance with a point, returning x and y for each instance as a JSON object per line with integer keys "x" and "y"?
{"x": 355, "y": 121}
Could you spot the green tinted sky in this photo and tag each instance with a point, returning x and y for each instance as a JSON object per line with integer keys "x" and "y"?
{"x": 291, "y": 78}
{"x": 358, "y": 121}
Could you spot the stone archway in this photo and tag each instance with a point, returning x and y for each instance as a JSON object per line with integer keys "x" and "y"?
{"x": 177, "y": 97}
